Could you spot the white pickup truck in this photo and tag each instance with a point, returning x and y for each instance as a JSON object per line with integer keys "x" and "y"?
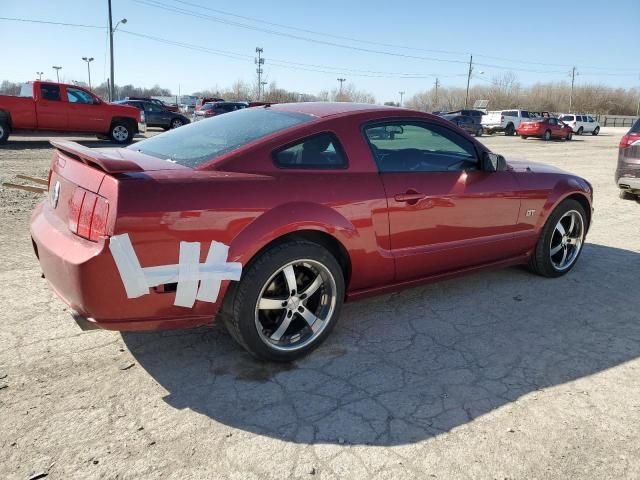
{"x": 505, "y": 120}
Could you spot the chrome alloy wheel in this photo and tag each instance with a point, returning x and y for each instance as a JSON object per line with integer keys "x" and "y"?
{"x": 295, "y": 305}
{"x": 176, "y": 123}
{"x": 566, "y": 240}
{"x": 120, "y": 133}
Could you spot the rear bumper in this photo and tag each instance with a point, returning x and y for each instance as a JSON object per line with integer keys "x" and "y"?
{"x": 142, "y": 127}
{"x": 628, "y": 183}
{"x": 84, "y": 275}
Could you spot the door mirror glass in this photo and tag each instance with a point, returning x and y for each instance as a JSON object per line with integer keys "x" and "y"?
{"x": 394, "y": 129}
{"x": 492, "y": 162}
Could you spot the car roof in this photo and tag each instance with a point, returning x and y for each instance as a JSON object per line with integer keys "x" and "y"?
{"x": 327, "y": 109}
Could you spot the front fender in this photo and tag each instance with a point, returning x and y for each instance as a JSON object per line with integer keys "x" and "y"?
{"x": 563, "y": 189}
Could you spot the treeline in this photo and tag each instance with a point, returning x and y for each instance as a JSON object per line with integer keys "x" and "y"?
{"x": 506, "y": 92}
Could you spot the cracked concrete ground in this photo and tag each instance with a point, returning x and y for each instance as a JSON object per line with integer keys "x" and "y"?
{"x": 496, "y": 375}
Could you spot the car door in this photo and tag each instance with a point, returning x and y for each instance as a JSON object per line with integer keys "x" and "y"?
{"x": 556, "y": 128}
{"x": 51, "y": 110}
{"x": 156, "y": 116}
{"x": 85, "y": 114}
{"x": 444, "y": 212}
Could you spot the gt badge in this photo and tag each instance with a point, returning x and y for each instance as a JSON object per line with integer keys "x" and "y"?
{"x": 530, "y": 213}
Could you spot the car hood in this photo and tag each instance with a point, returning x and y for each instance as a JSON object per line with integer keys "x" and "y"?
{"x": 529, "y": 166}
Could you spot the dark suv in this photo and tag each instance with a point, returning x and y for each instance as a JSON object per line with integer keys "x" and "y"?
{"x": 628, "y": 171}
{"x": 469, "y": 124}
{"x": 156, "y": 115}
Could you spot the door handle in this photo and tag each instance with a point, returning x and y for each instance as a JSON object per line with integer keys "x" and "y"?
{"x": 411, "y": 197}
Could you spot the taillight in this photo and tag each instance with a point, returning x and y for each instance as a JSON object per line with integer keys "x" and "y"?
{"x": 501, "y": 118}
{"x": 629, "y": 140}
{"x": 88, "y": 214}
{"x": 142, "y": 117}
{"x": 209, "y": 113}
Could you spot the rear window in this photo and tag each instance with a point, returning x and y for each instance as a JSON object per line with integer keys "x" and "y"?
{"x": 636, "y": 126}
{"x": 567, "y": 118}
{"x": 201, "y": 142}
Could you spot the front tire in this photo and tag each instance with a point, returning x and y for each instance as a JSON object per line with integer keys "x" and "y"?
{"x": 580, "y": 131}
{"x": 4, "y": 132}
{"x": 596, "y": 131}
{"x": 524, "y": 137}
{"x": 176, "y": 123}
{"x": 561, "y": 241}
{"x": 287, "y": 301}
{"x": 121, "y": 133}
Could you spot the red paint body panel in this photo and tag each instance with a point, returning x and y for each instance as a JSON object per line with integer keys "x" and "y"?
{"x": 38, "y": 113}
{"x": 465, "y": 221}
{"x": 538, "y": 129}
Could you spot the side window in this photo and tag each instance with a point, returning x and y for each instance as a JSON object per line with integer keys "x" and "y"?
{"x": 590, "y": 119}
{"x": 75, "y": 95}
{"x": 419, "y": 147}
{"x": 525, "y": 114}
{"x": 553, "y": 121}
{"x": 321, "y": 151}
{"x": 50, "y": 92}
{"x": 152, "y": 107}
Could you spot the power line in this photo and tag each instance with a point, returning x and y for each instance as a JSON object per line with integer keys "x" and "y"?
{"x": 29, "y": 20}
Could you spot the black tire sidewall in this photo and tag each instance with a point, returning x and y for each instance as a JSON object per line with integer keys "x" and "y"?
{"x": 241, "y": 322}
{"x": 5, "y": 132}
{"x": 541, "y": 258}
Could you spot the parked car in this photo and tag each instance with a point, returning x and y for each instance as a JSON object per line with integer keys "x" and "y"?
{"x": 545, "y": 128}
{"x": 581, "y": 123}
{"x": 469, "y": 124}
{"x": 217, "y": 108}
{"x": 477, "y": 114}
{"x": 158, "y": 102}
{"x": 157, "y": 116}
{"x": 57, "y": 107}
{"x": 506, "y": 121}
{"x": 271, "y": 217}
{"x": 202, "y": 100}
{"x": 628, "y": 170}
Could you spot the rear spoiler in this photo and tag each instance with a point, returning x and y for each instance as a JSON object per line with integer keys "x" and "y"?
{"x": 92, "y": 157}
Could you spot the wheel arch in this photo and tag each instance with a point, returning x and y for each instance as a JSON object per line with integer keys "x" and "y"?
{"x": 6, "y": 116}
{"x": 563, "y": 191}
{"x": 133, "y": 123}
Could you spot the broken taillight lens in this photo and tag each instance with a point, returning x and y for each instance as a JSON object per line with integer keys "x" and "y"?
{"x": 88, "y": 214}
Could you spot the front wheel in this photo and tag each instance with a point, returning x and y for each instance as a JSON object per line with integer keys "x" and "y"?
{"x": 561, "y": 241}
{"x": 287, "y": 301}
{"x": 479, "y": 132}
{"x": 524, "y": 137}
{"x": 596, "y": 131}
{"x": 121, "y": 133}
{"x": 176, "y": 123}
{"x": 580, "y": 131}
{"x": 4, "y": 132}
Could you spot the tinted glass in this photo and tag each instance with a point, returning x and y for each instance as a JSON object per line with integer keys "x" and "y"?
{"x": 590, "y": 119}
{"x": 553, "y": 121}
{"x": 202, "y": 141}
{"x": 76, "y": 95}
{"x": 525, "y": 114}
{"x": 417, "y": 147}
{"x": 320, "y": 151}
{"x": 50, "y": 92}
{"x": 567, "y": 118}
{"x": 153, "y": 107}
{"x": 636, "y": 126}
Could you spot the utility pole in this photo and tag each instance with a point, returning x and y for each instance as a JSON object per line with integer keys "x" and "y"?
{"x": 39, "y": 75}
{"x": 88, "y": 60}
{"x": 401, "y": 95}
{"x": 57, "y": 69}
{"x": 112, "y": 29}
{"x": 466, "y": 100}
{"x": 259, "y": 61}
{"x": 435, "y": 101}
{"x": 573, "y": 79}
{"x": 341, "y": 80}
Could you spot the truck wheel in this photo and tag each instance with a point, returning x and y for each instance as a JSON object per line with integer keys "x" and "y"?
{"x": 287, "y": 302}
{"x": 596, "y": 131}
{"x": 4, "y": 132}
{"x": 547, "y": 136}
{"x": 510, "y": 130}
{"x": 121, "y": 132}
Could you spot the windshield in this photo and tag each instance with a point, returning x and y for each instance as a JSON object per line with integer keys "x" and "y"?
{"x": 203, "y": 141}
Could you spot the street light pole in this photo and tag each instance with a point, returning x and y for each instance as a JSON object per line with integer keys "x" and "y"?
{"x": 466, "y": 100}
{"x": 341, "y": 80}
{"x": 57, "y": 69}
{"x": 39, "y": 75}
{"x": 88, "y": 60}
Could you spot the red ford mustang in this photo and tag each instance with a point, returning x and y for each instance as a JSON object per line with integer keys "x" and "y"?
{"x": 271, "y": 217}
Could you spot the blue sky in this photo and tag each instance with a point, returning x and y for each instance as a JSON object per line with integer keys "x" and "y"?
{"x": 599, "y": 37}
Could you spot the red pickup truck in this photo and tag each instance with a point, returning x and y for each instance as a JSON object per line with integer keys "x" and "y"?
{"x": 58, "y": 107}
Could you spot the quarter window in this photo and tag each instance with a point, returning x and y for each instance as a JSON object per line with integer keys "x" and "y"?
{"x": 418, "y": 147}
{"x": 321, "y": 151}
{"x": 50, "y": 92}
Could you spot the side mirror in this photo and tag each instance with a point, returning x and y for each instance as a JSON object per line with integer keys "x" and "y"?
{"x": 492, "y": 162}
{"x": 96, "y": 101}
{"x": 394, "y": 129}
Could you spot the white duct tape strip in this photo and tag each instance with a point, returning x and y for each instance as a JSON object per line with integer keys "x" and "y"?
{"x": 188, "y": 273}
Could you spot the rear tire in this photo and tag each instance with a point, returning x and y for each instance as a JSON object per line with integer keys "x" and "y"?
{"x": 479, "y": 132}
{"x": 596, "y": 131}
{"x": 547, "y": 136}
{"x": 580, "y": 131}
{"x": 510, "y": 130}
{"x": 290, "y": 323}
{"x": 4, "y": 132}
{"x": 524, "y": 137}
{"x": 121, "y": 133}
{"x": 546, "y": 263}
